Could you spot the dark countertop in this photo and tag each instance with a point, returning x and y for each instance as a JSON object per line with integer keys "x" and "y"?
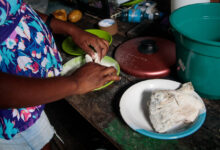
{"x": 101, "y": 108}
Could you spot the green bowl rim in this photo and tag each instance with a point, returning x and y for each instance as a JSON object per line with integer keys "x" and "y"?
{"x": 99, "y": 30}
{"x": 175, "y": 27}
{"x": 80, "y": 51}
{"x": 82, "y": 58}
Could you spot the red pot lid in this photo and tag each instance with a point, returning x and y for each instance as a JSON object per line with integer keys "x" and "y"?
{"x": 146, "y": 57}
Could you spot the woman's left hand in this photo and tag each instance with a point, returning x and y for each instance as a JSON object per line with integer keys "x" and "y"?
{"x": 91, "y": 43}
{"x": 85, "y": 40}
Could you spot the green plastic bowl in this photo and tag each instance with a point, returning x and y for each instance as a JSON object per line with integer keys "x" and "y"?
{"x": 101, "y": 34}
{"x": 77, "y": 62}
{"x": 196, "y": 29}
{"x": 71, "y": 48}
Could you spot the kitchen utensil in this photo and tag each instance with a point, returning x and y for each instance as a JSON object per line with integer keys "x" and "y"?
{"x": 133, "y": 109}
{"x": 71, "y": 48}
{"x": 197, "y": 36}
{"x": 109, "y": 25}
{"x": 175, "y": 4}
{"x": 75, "y": 63}
{"x": 146, "y": 57}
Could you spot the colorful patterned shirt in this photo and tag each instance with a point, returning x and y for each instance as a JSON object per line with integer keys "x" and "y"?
{"x": 27, "y": 48}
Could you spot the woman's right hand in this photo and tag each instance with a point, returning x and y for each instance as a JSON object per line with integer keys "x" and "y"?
{"x": 85, "y": 79}
{"x": 92, "y": 76}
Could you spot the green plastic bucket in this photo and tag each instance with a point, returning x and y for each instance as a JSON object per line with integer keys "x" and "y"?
{"x": 196, "y": 29}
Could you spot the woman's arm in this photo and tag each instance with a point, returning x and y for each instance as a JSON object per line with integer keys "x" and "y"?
{"x": 83, "y": 39}
{"x": 17, "y": 91}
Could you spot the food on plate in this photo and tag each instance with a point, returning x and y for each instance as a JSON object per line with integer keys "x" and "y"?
{"x": 74, "y": 16}
{"x": 96, "y": 58}
{"x": 60, "y": 14}
{"x": 174, "y": 109}
{"x": 88, "y": 58}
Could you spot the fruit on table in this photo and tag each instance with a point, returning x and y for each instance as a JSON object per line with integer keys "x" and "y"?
{"x": 74, "y": 16}
{"x": 60, "y": 14}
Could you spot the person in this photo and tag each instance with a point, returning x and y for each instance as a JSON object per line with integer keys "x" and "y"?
{"x": 30, "y": 67}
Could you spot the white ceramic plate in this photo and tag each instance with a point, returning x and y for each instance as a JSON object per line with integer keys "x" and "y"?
{"x": 133, "y": 107}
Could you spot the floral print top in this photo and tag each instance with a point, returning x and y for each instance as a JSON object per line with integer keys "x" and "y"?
{"x": 27, "y": 48}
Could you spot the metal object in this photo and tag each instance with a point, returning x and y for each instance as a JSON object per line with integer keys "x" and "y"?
{"x": 146, "y": 57}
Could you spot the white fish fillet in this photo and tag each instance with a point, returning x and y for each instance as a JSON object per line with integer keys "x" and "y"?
{"x": 89, "y": 58}
{"x": 172, "y": 109}
{"x": 96, "y": 60}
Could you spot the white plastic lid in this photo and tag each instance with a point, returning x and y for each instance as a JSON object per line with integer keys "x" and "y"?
{"x": 106, "y": 22}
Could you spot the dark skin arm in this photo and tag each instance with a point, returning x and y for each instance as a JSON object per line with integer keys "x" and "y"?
{"x": 80, "y": 37}
{"x": 17, "y": 91}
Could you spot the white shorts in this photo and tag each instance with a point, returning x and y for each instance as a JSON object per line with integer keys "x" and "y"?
{"x": 33, "y": 138}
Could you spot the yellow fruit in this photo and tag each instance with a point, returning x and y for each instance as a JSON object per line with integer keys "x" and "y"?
{"x": 74, "y": 16}
{"x": 60, "y": 14}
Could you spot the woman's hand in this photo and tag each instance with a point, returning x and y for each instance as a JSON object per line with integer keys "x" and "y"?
{"x": 92, "y": 76}
{"x": 90, "y": 43}
{"x": 85, "y": 40}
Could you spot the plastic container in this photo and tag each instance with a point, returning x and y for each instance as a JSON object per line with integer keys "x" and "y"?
{"x": 140, "y": 12}
{"x": 197, "y": 36}
{"x": 175, "y": 4}
{"x": 137, "y": 16}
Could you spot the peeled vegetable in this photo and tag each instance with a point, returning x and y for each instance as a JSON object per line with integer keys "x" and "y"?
{"x": 60, "y": 14}
{"x": 74, "y": 16}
